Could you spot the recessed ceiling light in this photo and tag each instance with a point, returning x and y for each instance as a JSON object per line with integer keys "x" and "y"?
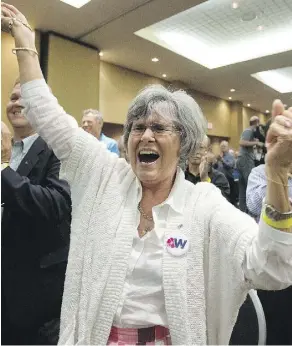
{"x": 279, "y": 79}
{"x": 232, "y": 90}
{"x": 164, "y": 75}
{"x": 155, "y": 59}
{"x": 267, "y": 111}
{"x": 76, "y": 3}
{"x": 248, "y": 105}
{"x": 230, "y": 98}
{"x": 260, "y": 28}
{"x": 100, "y": 53}
{"x": 235, "y": 5}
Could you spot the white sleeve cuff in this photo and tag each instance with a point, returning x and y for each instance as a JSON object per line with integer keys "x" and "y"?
{"x": 274, "y": 234}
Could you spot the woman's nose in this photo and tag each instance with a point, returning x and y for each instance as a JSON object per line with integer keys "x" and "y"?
{"x": 147, "y": 135}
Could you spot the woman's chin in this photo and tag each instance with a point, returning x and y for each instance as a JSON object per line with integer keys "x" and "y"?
{"x": 148, "y": 176}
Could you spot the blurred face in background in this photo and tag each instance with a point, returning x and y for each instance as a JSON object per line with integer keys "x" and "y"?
{"x": 91, "y": 124}
{"x": 14, "y": 110}
{"x": 224, "y": 147}
{"x": 196, "y": 157}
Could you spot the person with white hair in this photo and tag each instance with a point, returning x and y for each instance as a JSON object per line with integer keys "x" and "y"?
{"x": 92, "y": 122}
{"x": 245, "y": 162}
{"x": 154, "y": 258}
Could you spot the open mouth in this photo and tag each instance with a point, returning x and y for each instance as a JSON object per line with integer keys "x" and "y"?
{"x": 18, "y": 113}
{"x": 148, "y": 156}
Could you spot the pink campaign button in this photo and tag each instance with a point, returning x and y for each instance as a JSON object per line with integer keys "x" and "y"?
{"x": 177, "y": 244}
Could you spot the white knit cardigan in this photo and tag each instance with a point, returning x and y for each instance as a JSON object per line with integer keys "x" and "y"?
{"x": 203, "y": 289}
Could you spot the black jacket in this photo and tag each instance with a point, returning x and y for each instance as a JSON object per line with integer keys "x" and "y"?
{"x": 35, "y": 240}
{"x": 217, "y": 178}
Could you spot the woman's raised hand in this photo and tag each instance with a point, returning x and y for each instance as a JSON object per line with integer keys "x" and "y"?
{"x": 12, "y": 20}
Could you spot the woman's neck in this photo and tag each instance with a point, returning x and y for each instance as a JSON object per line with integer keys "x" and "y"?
{"x": 155, "y": 194}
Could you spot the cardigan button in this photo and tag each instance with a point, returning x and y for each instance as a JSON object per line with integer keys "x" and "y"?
{"x": 177, "y": 244}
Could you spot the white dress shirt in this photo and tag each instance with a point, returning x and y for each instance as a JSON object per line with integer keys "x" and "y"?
{"x": 142, "y": 303}
{"x": 20, "y": 149}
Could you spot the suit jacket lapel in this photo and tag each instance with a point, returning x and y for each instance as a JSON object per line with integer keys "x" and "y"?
{"x": 31, "y": 158}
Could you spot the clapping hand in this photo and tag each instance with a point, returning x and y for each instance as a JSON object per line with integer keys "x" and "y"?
{"x": 204, "y": 169}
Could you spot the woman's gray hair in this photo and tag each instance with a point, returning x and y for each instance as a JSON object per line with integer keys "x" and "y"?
{"x": 177, "y": 106}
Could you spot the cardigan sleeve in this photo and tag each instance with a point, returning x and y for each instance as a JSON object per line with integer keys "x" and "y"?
{"x": 58, "y": 129}
{"x": 269, "y": 258}
{"x": 257, "y": 255}
{"x": 77, "y": 150}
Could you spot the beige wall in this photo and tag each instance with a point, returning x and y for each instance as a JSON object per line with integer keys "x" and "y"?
{"x": 217, "y": 112}
{"x": 73, "y": 75}
{"x": 118, "y": 87}
{"x": 114, "y": 131}
{"x": 79, "y": 81}
{"x": 236, "y": 125}
{"x": 9, "y": 71}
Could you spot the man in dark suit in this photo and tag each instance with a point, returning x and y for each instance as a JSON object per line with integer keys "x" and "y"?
{"x": 36, "y": 212}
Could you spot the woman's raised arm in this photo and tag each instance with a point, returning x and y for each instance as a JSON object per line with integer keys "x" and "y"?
{"x": 48, "y": 118}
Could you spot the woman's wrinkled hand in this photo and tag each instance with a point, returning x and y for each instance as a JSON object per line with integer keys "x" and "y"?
{"x": 12, "y": 18}
{"x": 279, "y": 137}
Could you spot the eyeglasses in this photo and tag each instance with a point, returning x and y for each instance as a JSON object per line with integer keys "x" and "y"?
{"x": 157, "y": 129}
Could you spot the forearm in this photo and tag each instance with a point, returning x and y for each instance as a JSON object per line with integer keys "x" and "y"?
{"x": 247, "y": 143}
{"x": 277, "y": 189}
{"x": 29, "y": 66}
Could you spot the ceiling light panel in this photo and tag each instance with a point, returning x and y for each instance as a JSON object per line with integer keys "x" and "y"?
{"x": 213, "y": 34}
{"x": 279, "y": 79}
{"x": 76, "y": 3}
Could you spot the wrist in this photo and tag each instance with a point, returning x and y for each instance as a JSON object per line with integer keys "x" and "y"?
{"x": 23, "y": 36}
{"x": 277, "y": 188}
